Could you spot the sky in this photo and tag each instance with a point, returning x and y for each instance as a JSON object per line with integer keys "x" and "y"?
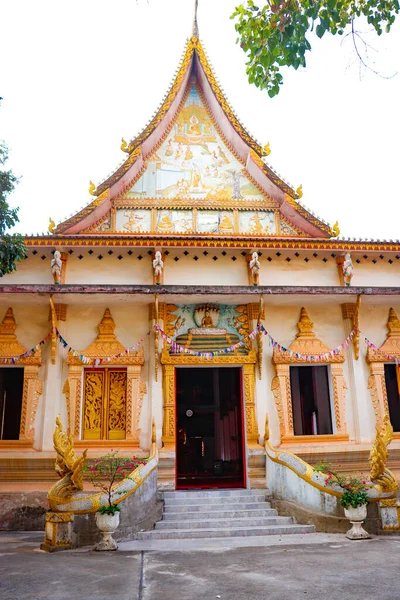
{"x": 78, "y": 76}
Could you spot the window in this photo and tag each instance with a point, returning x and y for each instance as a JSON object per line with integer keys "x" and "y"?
{"x": 392, "y": 378}
{"x": 311, "y": 400}
{"x": 104, "y": 406}
{"x": 11, "y": 387}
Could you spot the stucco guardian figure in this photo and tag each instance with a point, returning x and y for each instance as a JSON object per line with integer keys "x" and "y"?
{"x": 158, "y": 268}
{"x": 56, "y": 267}
{"x": 348, "y": 269}
{"x": 254, "y": 266}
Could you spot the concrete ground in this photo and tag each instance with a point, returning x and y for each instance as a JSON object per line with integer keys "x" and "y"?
{"x": 310, "y": 566}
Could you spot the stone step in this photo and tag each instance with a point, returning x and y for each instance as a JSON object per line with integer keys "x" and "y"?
{"x": 224, "y": 523}
{"x": 196, "y": 500}
{"x": 207, "y": 507}
{"x": 220, "y": 514}
{"x": 211, "y": 493}
{"x": 219, "y": 532}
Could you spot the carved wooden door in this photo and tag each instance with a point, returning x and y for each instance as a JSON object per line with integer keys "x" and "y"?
{"x": 104, "y": 405}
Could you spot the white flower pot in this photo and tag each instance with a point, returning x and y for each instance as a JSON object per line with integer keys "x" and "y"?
{"x": 107, "y": 525}
{"x": 356, "y": 517}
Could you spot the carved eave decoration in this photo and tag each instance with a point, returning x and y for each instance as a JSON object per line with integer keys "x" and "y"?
{"x": 114, "y": 188}
{"x": 106, "y": 344}
{"x": 391, "y": 345}
{"x": 306, "y": 343}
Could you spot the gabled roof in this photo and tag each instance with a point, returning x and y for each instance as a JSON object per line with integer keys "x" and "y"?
{"x": 195, "y": 70}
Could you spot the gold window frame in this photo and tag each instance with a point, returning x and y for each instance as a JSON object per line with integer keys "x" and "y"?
{"x": 32, "y": 385}
{"x": 376, "y": 361}
{"x": 307, "y": 343}
{"x": 106, "y": 344}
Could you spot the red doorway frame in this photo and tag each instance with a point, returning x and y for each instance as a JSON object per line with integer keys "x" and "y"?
{"x": 244, "y": 454}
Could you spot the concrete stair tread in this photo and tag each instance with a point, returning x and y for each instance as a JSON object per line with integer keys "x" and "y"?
{"x": 228, "y": 532}
{"x": 221, "y": 514}
{"x": 214, "y": 493}
{"x": 220, "y": 500}
{"x": 239, "y": 522}
{"x": 211, "y": 507}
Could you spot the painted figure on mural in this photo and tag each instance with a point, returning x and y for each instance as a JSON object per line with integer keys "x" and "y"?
{"x": 255, "y": 266}
{"x": 169, "y": 149}
{"x": 348, "y": 269}
{"x": 158, "y": 266}
{"x": 194, "y": 127}
{"x": 56, "y": 267}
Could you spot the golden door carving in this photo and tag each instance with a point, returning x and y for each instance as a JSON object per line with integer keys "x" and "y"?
{"x": 104, "y": 412}
{"x": 116, "y": 405}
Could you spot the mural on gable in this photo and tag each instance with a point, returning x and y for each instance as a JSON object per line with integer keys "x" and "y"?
{"x": 133, "y": 221}
{"x": 257, "y": 222}
{"x": 193, "y": 162}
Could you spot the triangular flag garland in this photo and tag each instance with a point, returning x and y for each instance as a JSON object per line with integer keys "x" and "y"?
{"x": 178, "y": 348}
{"x": 306, "y": 357}
{"x": 395, "y": 359}
{"x": 100, "y": 361}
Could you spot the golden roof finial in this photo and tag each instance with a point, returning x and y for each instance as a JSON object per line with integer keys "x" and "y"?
{"x": 52, "y": 225}
{"x": 267, "y": 149}
{"x": 124, "y": 146}
{"x": 92, "y": 188}
{"x": 195, "y": 30}
{"x": 335, "y": 229}
{"x": 299, "y": 191}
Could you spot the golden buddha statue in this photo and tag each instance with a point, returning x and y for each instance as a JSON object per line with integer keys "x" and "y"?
{"x": 206, "y": 322}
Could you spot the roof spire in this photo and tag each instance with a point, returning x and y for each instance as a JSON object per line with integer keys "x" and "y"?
{"x": 195, "y": 31}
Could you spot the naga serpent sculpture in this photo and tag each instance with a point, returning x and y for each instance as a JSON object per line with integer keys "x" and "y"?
{"x": 67, "y": 495}
{"x": 386, "y": 484}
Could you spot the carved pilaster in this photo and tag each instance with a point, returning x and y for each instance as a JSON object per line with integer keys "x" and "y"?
{"x": 250, "y": 405}
{"x": 134, "y": 401}
{"x": 168, "y": 432}
{"x": 74, "y": 399}
{"x": 30, "y": 399}
{"x": 377, "y": 388}
{"x": 339, "y": 388}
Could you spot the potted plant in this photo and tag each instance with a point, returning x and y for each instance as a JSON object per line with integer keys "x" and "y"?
{"x": 354, "y": 501}
{"x": 104, "y": 473}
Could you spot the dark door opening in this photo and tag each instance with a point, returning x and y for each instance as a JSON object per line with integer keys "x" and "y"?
{"x": 392, "y": 379}
{"x": 209, "y": 440}
{"x": 311, "y": 400}
{"x": 11, "y": 386}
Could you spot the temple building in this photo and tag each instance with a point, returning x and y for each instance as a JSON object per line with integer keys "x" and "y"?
{"x": 260, "y": 309}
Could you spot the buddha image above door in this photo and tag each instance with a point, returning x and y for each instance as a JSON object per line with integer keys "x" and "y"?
{"x": 209, "y": 440}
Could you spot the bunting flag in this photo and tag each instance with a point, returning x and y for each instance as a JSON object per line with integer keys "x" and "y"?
{"x": 395, "y": 359}
{"x": 177, "y": 348}
{"x": 305, "y": 357}
{"x": 99, "y": 361}
{"x": 14, "y": 359}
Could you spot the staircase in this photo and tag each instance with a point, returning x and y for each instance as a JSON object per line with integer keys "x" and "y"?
{"x": 219, "y": 513}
